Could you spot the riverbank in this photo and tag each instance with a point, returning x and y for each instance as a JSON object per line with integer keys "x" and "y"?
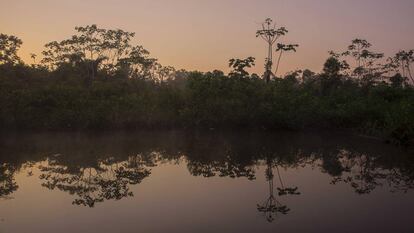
{"x": 204, "y": 101}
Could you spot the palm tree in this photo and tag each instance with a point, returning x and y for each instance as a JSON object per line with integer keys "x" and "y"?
{"x": 284, "y": 48}
{"x": 33, "y": 56}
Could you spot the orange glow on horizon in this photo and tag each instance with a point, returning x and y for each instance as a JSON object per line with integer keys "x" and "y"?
{"x": 204, "y": 35}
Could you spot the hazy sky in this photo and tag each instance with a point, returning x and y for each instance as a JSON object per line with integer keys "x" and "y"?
{"x": 204, "y": 34}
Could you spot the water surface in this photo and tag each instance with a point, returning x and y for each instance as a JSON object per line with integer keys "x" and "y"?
{"x": 203, "y": 182}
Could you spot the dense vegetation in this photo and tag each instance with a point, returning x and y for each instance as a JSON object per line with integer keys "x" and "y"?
{"x": 97, "y": 79}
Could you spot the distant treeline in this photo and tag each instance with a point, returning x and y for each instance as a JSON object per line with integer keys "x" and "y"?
{"x": 97, "y": 80}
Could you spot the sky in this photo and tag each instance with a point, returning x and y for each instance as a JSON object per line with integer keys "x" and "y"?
{"x": 204, "y": 34}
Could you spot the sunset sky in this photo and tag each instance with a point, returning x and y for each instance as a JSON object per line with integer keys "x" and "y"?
{"x": 204, "y": 34}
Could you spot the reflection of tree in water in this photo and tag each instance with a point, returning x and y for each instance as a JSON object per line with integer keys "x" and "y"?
{"x": 227, "y": 167}
{"x": 365, "y": 173}
{"x": 271, "y": 207}
{"x": 95, "y": 178}
{"x": 108, "y": 180}
{"x": 222, "y": 161}
{"x": 7, "y": 183}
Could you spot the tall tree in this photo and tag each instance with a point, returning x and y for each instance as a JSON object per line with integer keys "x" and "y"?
{"x": 366, "y": 60}
{"x": 9, "y": 45}
{"x": 403, "y": 60}
{"x": 270, "y": 34}
{"x": 284, "y": 48}
{"x": 239, "y": 66}
{"x": 165, "y": 73}
{"x": 33, "y": 56}
{"x": 94, "y": 48}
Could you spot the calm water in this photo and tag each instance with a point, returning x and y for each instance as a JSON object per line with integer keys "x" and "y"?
{"x": 203, "y": 182}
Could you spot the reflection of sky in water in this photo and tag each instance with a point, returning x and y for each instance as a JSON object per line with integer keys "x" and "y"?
{"x": 203, "y": 183}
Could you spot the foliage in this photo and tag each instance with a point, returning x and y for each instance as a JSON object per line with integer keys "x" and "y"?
{"x": 270, "y": 34}
{"x": 120, "y": 96}
{"x": 9, "y": 45}
{"x": 239, "y": 66}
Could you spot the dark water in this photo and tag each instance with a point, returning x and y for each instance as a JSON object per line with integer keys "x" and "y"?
{"x": 203, "y": 182}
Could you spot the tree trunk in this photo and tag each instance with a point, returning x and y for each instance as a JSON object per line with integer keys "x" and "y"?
{"x": 278, "y": 62}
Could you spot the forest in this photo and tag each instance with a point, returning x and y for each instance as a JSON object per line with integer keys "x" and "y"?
{"x": 98, "y": 79}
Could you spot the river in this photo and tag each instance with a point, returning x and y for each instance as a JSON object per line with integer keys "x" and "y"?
{"x": 181, "y": 181}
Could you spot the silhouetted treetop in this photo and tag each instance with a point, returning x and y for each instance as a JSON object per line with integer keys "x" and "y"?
{"x": 9, "y": 45}
{"x": 95, "y": 50}
{"x": 239, "y": 66}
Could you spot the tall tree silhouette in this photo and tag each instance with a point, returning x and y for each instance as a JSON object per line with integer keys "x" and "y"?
{"x": 281, "y": 48}
{"x": 93, "y": 48}
{"x": 239, "y": 66}
{"x": 33, "y": 56}
{"x": 9, "y": 45}
{"x": 403, "y": 60}
{"x": 270, "y": 34}
{"x": 368, "y": 68}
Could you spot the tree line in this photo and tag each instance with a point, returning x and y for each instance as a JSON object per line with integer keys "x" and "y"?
{"x": 98, "y": 79}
